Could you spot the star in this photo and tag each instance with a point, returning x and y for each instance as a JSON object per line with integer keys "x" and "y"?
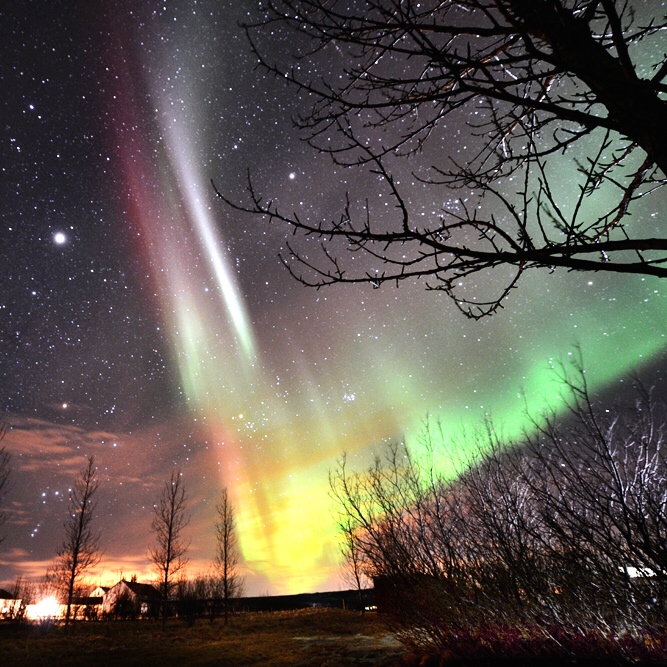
{"x": 59, "y": 238}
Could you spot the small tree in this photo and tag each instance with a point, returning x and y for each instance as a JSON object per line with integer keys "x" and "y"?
{"x": 193, "y": 597}
{"x": 23, "y": 594}
{"x": 353, "y": 560}
{"x": 227, "y": 552}
{"x": 169, "y": 520}
{"x": 79, "y": 551}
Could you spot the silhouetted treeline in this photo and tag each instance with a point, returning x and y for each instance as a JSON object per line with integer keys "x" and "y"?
{"x": 554, "y": 546}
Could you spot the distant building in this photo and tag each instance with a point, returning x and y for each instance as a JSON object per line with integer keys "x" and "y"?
{"x": 129, "y": 599}
{"x": 99, "y": 592}
{"x": 90, "y": 607}
{"x": 349, "y": 599}
{"x": 10, "y": 607}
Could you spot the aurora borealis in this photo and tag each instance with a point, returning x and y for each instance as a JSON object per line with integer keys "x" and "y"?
{"x": 161, "y": 331}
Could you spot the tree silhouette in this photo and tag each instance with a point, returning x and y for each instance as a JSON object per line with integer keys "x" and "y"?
{"x": 486, "y": 102}
{"x": 558, "y": 538}
{"x": 80, "y": 550}
{"x": 169, "y": 553}
{"x": 227, "y": 552}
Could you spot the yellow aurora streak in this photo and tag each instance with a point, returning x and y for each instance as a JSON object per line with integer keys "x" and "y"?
{"x": 282, "y": 512}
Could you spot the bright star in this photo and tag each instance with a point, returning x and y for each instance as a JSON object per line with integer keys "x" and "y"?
{"x": 292, "y": 176}
{"x": 59, "y": 238}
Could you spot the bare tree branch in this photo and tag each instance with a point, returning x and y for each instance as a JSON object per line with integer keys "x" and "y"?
{"x": 80, "y": 549}
{"x": 227, "y": 554}
{"x": 169, "y": 553}
{"x": 559, "y": 538}
{"x": 539, "y": 81}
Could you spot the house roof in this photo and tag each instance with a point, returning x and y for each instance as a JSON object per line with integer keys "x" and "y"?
{"x": 5, "y": 595}
{"x": 142, "y": 590}
{"x": 102, "y": 589}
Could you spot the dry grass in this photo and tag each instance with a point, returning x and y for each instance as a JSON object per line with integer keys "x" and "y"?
{"x": 321, "y": 637}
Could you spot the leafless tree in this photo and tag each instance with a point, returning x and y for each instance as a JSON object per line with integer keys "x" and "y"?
{"x": 169, "y": 521}
{"x": 23, "y": 594}
{"x": 602, "y": 490}
{"x": 353, "y": 571}
{"x": 80, "y": 550}
{"x": 227, "y": 554}
{"x": 193, "y": 597}
{"x": 486, "y": 102}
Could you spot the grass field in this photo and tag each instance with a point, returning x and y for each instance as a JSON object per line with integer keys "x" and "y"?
{"x": 322, "y": 637}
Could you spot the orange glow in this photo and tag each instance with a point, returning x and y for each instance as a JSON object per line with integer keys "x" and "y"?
{"x": 45, "y": 608}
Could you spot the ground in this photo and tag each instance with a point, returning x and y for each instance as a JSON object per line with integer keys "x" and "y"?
{"x": 314, "y": 637}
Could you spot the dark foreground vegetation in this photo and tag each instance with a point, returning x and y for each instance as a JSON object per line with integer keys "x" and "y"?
{"x": 553, "y": 548}
{"x": 304, "y": 638}
{"x": 278, "y": 639}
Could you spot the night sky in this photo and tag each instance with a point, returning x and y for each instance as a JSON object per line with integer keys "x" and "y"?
{"x": 144, "y": 323}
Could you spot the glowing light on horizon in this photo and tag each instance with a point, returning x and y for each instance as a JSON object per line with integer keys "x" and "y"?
{"x": 44, "y": 609}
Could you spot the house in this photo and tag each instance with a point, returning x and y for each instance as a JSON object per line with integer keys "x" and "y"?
{"x": 90, "y": 606}
{"x": 131, "y": 599}
{"x": 99, "y": 592}
{"x": 10, "y": 607}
